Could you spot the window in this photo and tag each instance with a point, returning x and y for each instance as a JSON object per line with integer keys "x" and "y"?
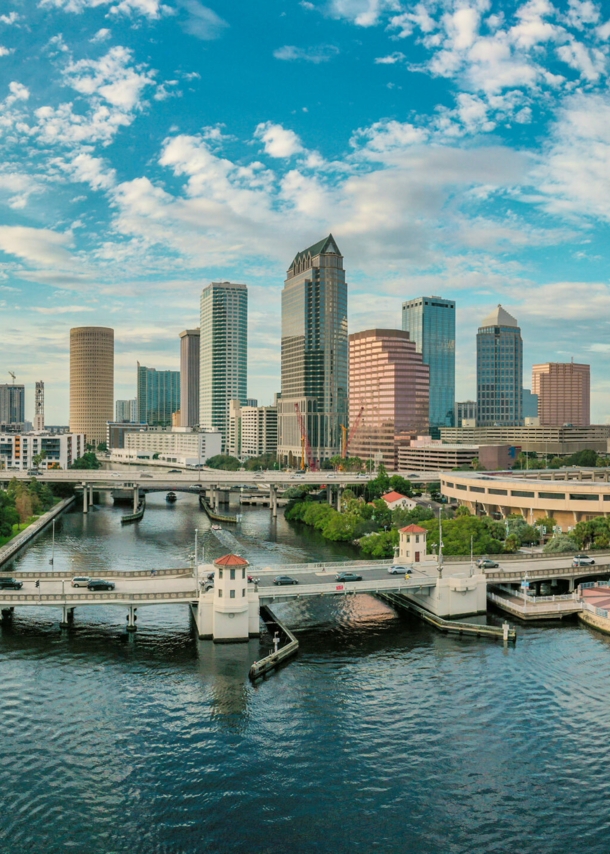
{"x": 232, "y": 575}
{"x": 220, "y": 573}
{"x": 552, "y": 495}
{"x": 497, "y": 491}
{"x": 219, "y": 593}
{"x": 243, "y": 592}
{"x": 578, "y": 496}
{"x": 448, "y": 484}
{"x": 519, "y": 493}
{"x": 461, "y": 486}
{"x": 243, "y": 572}
{"x": 231, "y": 594}
{"x": 477, "y": 489}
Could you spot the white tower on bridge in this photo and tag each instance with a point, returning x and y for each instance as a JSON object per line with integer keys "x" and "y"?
{"x": 229, "y": 612}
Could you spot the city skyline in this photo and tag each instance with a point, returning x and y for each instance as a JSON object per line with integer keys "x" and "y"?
{"x": 470, "y": 163}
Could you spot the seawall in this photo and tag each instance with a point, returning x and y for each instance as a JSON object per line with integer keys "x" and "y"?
{"x": 9, "y": 551}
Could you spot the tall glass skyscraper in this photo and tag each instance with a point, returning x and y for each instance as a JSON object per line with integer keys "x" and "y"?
{"x": 430, "y": 322}
{"x": 158, "y": 396}
{"x": 12, "y": 404}
{"x": 314, "y": 352}
{"x": 499, "y": 371}
{"x": 223, "y": 353}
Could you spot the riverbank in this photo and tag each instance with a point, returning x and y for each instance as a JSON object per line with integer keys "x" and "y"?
{"x": 10, "y": 549}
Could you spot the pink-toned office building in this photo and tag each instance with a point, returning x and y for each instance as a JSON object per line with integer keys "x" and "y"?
{"x": 389, "y": 381}
{"x": 563, "y": 390}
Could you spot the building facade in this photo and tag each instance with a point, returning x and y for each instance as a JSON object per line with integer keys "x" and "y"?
{"x": 435, "y": 457}
{"x": 116, "y": 431}
{"x": 564, "y": 393}
{"x": 499, "y": 371}
{"x": 91, "y": 381}
{"x": 17, "y": 450}
{"x": 158, "y": 396}
{"x": 314, "y": 354}
{"x": 189, "y": 377}
{"x": 543, "y": 440}
{"x": 223, "y": 365}
{"x": 389, "y": 387}
{"x": 252, "y": 430}
{"x": 529, "y": 404}
{"x": 126, "y": 410}
{"x": 465, "y": 410}
{"x": 39, "y": 406}
{"x": 12, "y": 404}
{"x": 194, "y": 446}
{"x": 430, "y": 322}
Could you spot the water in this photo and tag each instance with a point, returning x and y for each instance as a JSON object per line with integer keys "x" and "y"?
{"x": 382, "y": 735}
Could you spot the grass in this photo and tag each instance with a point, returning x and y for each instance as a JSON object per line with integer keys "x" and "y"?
{"x": 20, "y": 528}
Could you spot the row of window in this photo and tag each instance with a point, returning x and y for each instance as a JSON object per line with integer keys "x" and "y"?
{"x": 232, "y": 593}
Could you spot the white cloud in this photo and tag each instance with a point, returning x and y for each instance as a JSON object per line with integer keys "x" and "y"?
{"x": 152, "y": 9}
{"x": 278, "y": 141}
{"x": 201, "y": 21}
{"x": 101, "y": 36}
{"x": 392, "y": 59}
{"x": 61, "y": 309}
{"x": 363, "y": 13}
{"x": 9, "y": 19}
{"x": 39, "y": 246}
{"x": 316, "y": 54}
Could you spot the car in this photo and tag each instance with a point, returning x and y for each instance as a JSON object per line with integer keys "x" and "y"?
{"x": 284, "y": 579}
{"x": 174, "y": 471}
{"x": 347, "y": 576}
{"x": 145, "y": 474}
{"x": 80, "y": 581}
{"x": 33, "y": 472}
{"x": 362, "y": 475}
{"x": 115, "y": 474}
{"x": 487, "y": 563}
{"x": 583, "y": 560}
{"x": 100, "y": 584}
{"x": 397, "y": 569}
{"x": 10, "y": 584}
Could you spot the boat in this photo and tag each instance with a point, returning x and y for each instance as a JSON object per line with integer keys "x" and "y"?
{"x": 170, "y": 497}
{"x": 216, "y": 527}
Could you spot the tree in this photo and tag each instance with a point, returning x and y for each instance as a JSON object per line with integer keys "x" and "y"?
{"x": 401, "y": 484}
{"x": 380, "y": 545}
{"x": 38, "y": 458}
{"x": 102, "y": 446}
{"x": 560, "y": 543}
{"x": 87, "y": 461}
{"x": 23, "y": 505}
{"x": 265, "y": 461}
{"x": 224, "y": 462}
{"x": 584, "y": 458}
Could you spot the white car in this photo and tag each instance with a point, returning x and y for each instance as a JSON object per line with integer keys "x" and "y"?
{"x": 396, "y": 569}
{"x": 80, "y": 581}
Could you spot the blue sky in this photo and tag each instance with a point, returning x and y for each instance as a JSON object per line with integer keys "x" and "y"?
{"x": 453, "y": 147}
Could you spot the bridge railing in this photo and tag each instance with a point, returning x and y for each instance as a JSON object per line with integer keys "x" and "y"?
{"x": 9, "y": 598}
{"x": 372, "y": 586}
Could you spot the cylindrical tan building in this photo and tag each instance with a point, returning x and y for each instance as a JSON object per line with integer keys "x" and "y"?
{"x": 91, "y": 381}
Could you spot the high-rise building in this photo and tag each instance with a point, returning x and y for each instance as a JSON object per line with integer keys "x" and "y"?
{"x": 430, "y": 321}
{"x": 499, "y": 371}
{"x": 223, "y": 366}
{"x": 563, "y": 390}
{"x": 39, "y": 406}
{"x": 314, "y": 353}
{"x": 529, "y": 404}
{"x": 465, "y": 410}
{"x": 126, "y": 410}
{"x": 158, "y": 396}
{"x": 189, "y": 378}
{"x": 389, "y": 392}
{"x": 252, "y": 430}
{"x": 12, "y": 403}
{"x": 91, "y": 381}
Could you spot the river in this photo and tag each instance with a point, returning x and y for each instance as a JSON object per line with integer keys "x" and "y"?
{"x": 382, "y": 735}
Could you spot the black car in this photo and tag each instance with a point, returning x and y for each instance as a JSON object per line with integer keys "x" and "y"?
{"x": 100, "y": 584}
{"x": 10, "y": 584}
{"x": 347, "y": 576}
{"x": 284, "y": 579}
{"x": 174, "y": 471}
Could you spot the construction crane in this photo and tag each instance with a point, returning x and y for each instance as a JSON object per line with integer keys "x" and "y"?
{"x": 346, "y": 442}
{"x": 305, "y": 446}
{"x": 14, "y": 376}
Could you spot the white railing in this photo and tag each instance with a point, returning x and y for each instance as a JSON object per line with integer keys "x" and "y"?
{"x": 106, "y": 597}
{"x": 548, "y": 603}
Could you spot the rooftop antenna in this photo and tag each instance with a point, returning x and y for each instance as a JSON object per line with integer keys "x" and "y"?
{"x": 14, "y": 376}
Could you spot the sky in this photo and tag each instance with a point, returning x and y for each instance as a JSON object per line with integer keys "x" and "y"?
{"x": 458, "y": 148}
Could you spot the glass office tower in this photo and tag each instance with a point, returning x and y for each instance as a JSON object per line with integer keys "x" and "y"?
{"x": 430, "y": 322}
{"x": 223, "y": 353}
{"x": 499, "y": 371}
{"x": 12, "y": 404}
{"x": 158, "y": 396}
{"x": 314, "y": 353}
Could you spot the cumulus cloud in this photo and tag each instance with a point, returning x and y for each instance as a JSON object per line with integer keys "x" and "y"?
{"x": 391, "y": 59}
{"x": 201, "y": 21}
{"x": 152, "y": 9}
{"x": 40, "y": 246}
{"x": 315, "y": 54}
{"x": 278, "y": 141}
{"x": 9, "y": 19}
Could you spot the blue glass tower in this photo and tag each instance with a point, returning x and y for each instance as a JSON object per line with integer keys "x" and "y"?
{"x": 158, "y": 396}
{"x": 430, "y": 322}
{"x": 499, "y": 371}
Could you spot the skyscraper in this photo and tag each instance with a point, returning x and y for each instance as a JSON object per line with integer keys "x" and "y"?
{"x": 12, "y": 403}
{"x": 39, "y": 406}
{"x": 430, "y": 322}
{"x": 189, "y": 378}
{"x": 223, "y": 366}
{"x": 126, "y": 410}
{"x": 314, "y": 352}
{"x": 158, "y": 396}
{"x": 389, "y": 388}
{"x": 563, "y": 390}
{"x": 91, "y": 381}
{"x": 499, "y": 371}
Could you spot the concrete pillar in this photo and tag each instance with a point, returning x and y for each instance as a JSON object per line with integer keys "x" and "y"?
{"x": 91, "y": 495}
{"x": 136, "y": 498}
{"x": 339, "y": 494}
{"x": 7, "y": 615}
{"x": 85, "y": 495}
{"x": 273, "y": 501}
{"x": 67, "y": 616}
{"x": 570, "y": 585}
{"x": 131, "y": 619}
{"x": 329, "y": 494}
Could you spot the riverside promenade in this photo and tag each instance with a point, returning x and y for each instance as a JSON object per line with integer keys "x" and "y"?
{"x": 8, "y": 551}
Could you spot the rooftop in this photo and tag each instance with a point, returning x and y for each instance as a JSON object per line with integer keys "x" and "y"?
{"x": 390, "y": 497}
{"x": 413, "y": 529}
{"x": 499, "y": 317}
{"x": 231, "y": 560}
{"x": 326, "y": 246}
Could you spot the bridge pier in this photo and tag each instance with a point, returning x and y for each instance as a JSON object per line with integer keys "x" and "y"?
{"x": 329, "y": 494}
{"x": 67, "y": 617}
{"x": 131, "y": 619}
{"x": 273, "y": 501}
{"x": 7, "y": 615}
{"x": 85, "y": 496}
{"x": 339, "y": 494}
{"x": 91, "y": 495}
{"x": 136, "y": 498}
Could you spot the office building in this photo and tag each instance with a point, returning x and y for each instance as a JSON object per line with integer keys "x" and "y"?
{"x": 223, "y": 366}
{"x": 499, "y": 371}
{"x": 12, "y": 404}
{"x": 465, "y": 410}
{"x": 529, "y": 405}
{"x": 430, "y": 322}
{"x": 58, "y": 450}
{"x": 252, "y": 430}
{"x": 91, "y": 381}
{"x": 126, "y": 410}
{"x": 158, "y": 396}
{"x": 189, "y": 378}
{"x": 543, "y": 440}
{"x": 389, "y": 388}
{"x": 314, "y": 354}
{"x": 39, "y": 406}
{"x": 116, "y": 431}
{"x": 180, "y": 445}
{"x": 564, "y": 394}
